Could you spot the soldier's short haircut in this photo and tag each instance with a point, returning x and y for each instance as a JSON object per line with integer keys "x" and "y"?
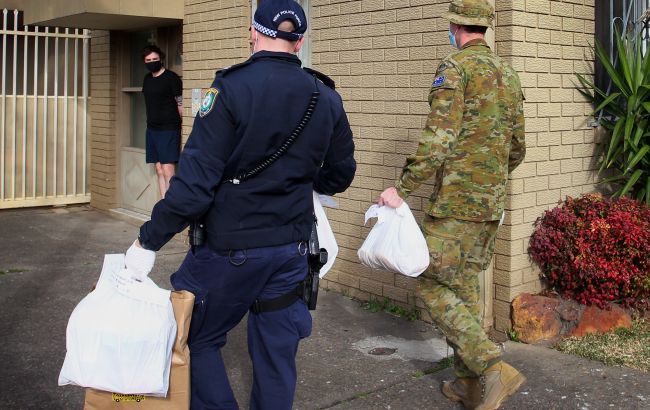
{"x": 152, "y": 48}
{"x": 476, "y": 29}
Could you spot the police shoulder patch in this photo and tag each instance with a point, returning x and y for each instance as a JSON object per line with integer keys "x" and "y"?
{"x": 440, "y": 80}
{"x": 208, "y": 102}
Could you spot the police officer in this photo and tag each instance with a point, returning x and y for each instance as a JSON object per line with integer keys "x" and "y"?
{"x": 256, "y": 228}
{"x": 473, "y": 139}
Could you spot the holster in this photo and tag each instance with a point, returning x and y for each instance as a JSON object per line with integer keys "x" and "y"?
{"x": 317, "y": 258}
{"x": 197, "y": 233}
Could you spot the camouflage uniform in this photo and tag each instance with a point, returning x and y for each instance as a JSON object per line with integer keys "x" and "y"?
{"x": 473, "y": 139}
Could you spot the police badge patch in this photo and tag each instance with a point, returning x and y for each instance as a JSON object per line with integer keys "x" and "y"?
{"x": 440, "y": 80}
{"x": 208, "y": 102}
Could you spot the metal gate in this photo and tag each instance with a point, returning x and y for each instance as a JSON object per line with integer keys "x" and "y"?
{"x": 43, "y": 114}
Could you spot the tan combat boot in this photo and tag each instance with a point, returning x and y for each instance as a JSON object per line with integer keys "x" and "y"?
{"x": 499, "y": 381}
{"x": 465, "y": 389}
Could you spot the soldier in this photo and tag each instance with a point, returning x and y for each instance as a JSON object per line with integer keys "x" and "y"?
{"x": 473, "y": 139}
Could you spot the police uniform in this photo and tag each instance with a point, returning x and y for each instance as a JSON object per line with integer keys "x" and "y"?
{"x": 473, "y": 139}
{"x": 256, "y": 230}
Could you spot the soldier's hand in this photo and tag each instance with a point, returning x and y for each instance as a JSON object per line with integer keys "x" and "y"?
{"x": 391, "y": 198}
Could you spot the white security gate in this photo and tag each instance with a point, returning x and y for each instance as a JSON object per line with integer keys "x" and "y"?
{"x": 43, "y": 114}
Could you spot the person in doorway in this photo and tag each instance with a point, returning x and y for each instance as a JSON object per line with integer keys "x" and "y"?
{"x": 266, "y": 110}
{"x": 163, "y": 98}
{"x": 474, "y": 138}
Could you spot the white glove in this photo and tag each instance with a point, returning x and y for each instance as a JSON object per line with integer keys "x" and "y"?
{"x": 139, "y": 261}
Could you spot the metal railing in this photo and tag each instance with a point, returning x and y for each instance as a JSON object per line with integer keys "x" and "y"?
{"x": 43, "y": 118}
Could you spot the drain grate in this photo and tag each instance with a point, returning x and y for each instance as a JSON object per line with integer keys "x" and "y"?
{"x": 382, "y": 351}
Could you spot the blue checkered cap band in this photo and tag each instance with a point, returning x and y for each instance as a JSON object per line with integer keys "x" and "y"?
{"x": 264, "y": 30}
{"x": 275, "y": 34}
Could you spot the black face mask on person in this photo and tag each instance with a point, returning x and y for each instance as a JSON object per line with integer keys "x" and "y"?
{"x": 154, "y": 66}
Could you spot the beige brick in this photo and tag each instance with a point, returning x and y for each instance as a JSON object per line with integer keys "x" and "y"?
{"x": 508, "y": 294}
{"x": 583, "y": 178}
{"x": 561, "y": 152}
{"x": 549, "y": 110}
{"x": 560, "y": 8}
{"x": 537, "y": 95}
{"x": 538, "y": 6}
{"x": 405, "y": 282}
{"x": 516, "y": 186}
{"x": 537, "y": 154}
{"x": 536, "y": 184}
{"x": 518, "y": 18}
{"x": 560, "y": 181}
{"x": 524, "y": 170}
{"x": 508, "y": 248}
{"x": 551, "y": 196}
{"x": 549, "y": 138}
{"x": 539, "y": 124}
{"x": 536, "y": 35}
{"x": 562, "y": 66}
{"x": 521, "y": 201}
{"x": 395, "y": 293}
{"x": 531, "y": 214}
{"x": 561, "y": 124}
{"x": 571, "y": 165}
{"x": 505, "y": 277}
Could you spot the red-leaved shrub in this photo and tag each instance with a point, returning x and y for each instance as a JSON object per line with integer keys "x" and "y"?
{"x": 596, "y": 250}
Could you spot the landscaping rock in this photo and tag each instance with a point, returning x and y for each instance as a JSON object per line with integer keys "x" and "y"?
{"x": 534, "y": 318}
{"x": 596, "y": 320}
{"x": 570, "y": 310}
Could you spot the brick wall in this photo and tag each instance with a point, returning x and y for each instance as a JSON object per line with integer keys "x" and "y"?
{"x": 547, "y": 42}
{"x": 215, "y": 35}
{"x": 101, "y": 126}
{"x": 383, "y": 55}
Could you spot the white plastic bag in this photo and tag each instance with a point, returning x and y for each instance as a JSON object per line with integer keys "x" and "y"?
{"x": 395, "y": 243}
{"x": 326, "y": 237}
{"x": 120, "y": 336}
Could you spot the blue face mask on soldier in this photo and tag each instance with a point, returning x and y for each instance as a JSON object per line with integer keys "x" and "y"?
{"x": 452, "y": 38}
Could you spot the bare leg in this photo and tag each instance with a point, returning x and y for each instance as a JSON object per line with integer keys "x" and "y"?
{"x": 162, "y": 188}
{"x": 167, "y": 174}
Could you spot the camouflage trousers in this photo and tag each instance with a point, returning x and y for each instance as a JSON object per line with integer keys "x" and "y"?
{"x": 450, "y": 288}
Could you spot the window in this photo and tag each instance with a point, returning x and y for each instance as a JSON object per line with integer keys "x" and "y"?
{"x": 612, "y": 14}
{"x": 305, "y": 52}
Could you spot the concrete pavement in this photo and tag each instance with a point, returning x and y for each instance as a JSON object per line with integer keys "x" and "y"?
{"x": 50, "y": 258}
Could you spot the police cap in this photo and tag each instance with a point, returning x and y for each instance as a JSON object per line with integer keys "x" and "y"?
{"x": 270, "y": 13}
{"x": 471, "y": 13}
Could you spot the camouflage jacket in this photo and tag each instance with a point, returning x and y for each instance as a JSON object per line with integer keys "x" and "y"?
{"x": 474, "y": 136}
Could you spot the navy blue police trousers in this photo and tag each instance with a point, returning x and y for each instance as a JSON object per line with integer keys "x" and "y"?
{"x": 226, "y": 284}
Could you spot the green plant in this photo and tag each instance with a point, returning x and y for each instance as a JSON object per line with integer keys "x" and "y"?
{"x": 620, "y": 347}
{"x": 512, "y": 335}
{"x": 626, "y": 116}
{"x": 11, "y": 270}
{"x": 386, "y": 305}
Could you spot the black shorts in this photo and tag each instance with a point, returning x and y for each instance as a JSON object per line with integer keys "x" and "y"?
{"x": 163, "y": 146}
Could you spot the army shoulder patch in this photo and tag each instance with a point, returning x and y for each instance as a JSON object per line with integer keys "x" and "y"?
{"x": 440, "y": 80}
{"x": 208, "y": 102}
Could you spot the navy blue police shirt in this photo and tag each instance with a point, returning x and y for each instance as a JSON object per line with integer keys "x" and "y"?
{"x": 245, "y": 116}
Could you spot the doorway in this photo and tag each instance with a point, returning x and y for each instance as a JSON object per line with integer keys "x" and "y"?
{"x": 138, "y": 182}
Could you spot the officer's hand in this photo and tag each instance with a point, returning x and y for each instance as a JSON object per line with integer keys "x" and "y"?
{"x": 391, "y": 198}
{"x": 139, "y": 261}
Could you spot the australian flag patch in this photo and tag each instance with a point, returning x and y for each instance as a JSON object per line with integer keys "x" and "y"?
{"x": 440, "y": 80}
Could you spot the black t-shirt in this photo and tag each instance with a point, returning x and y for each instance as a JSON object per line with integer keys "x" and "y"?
{"x": 159, "y": 98}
